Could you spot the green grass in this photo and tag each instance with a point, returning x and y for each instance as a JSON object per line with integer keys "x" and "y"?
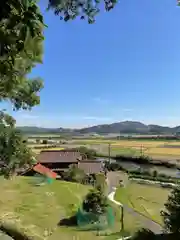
{"x": 37, "y": 211}
{"x": 148, "y": 200}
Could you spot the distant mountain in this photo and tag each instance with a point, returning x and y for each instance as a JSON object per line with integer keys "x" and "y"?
{"x": 121, "y": 127}
{"x": 27, "y": 129}
{"x": 126, "y": 127}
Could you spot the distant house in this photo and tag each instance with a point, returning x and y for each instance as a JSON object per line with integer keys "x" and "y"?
{"x": 91, "y": 166}
{"x": 60, "y": 161}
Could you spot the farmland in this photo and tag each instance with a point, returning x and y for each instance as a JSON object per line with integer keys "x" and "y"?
{"x": 165, "y": 150}
{"x": 157, "y": 149}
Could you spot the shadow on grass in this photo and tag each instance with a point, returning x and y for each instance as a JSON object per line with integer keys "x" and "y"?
{"x": 119, "y": 234}
{"x": 13, "y": 232}
{"x": 68, "y": 222}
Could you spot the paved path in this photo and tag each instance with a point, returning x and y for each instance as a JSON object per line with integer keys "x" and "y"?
{"x": 113, "y": 182}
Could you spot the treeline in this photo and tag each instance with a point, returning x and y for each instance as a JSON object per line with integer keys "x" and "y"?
{"x": 155, "y": 137}
{"x": 152, "y": 176}
{"x": 142, "y": 174}
{"x": 144, "y": 160}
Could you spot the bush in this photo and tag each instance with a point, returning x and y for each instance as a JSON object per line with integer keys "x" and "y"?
{"x": 75, "y": 174}
{"x": 154, "y": 173}
{"x": 87, "y": 152}
{"x": 144, "y": 160}
{"x": 114, "y": 166}
{"x": 44, "y": 141}
{"x": 157, "y": 178}
{"x": 95, "y": 202}
{"x": 100, "y": 181}
{"x": 89, "y": 179}
{"x": 47, "y": 146}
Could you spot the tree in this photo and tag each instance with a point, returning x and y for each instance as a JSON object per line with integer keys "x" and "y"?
{"x": 172, "y": 213}
{"x": 87, "y": 153}
{"x": 44, "y": 141}
{"x": 95, "y": 202}
{"x": 21, "y": 48}
{"x": 69, "y": 10}
{"x": 21, "y": 38}
{"x": 15, "y": 155}
{"x": 75, "y": 174}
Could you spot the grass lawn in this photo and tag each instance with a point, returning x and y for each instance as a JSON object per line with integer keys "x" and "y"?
{"x": 148, "y": 200}
{"x": 38, "y": 210}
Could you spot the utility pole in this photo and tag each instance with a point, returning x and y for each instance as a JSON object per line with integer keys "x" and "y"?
{"x": 142, "y": 151}
{"x": 122, "y": 221}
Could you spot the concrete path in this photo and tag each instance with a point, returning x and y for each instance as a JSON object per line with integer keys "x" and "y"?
{"x": 146, "y": 222}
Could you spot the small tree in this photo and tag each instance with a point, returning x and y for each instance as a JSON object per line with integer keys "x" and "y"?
{"x": 172, "y": 213}
{"x": 95, "y": 202}
{"x": 100, "y": 181}
{"x": 75, "y": 174}
{"x": 87, "y": 153}
{"x": 44, "y": 141}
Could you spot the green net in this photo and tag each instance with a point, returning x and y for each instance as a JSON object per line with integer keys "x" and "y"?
{"x": 91, "y": 221}
{"x": 40, "y": 179}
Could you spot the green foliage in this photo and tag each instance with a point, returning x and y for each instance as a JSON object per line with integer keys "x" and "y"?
{"x": 44, "y": 141}
{"x": 15, "y": 155}
{"x": 21, "y": 38}
{"x": 21, "y": 48}
{"x": 87, "y": 153}
{"x": 114, "y": 166}
{"x": 100, "y": 182}
{"x": 75, "y": 174}
{"x": 95, "y": 202}
{"x": 152, "y": 176}
{"x": 172, "y": 213}
{"x": 69, "y": 10}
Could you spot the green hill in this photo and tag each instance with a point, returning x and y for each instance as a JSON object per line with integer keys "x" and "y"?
{"x": 37, "y": 211}
{"x": 126, "y": 127}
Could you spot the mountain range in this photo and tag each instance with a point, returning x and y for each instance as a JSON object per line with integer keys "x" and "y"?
{"x": 125, "y": 127}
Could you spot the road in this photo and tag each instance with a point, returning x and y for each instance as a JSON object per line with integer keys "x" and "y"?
{"x": 113, "y": 182}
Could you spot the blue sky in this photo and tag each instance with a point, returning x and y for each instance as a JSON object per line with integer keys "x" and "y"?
{"x": 126, "y": 66}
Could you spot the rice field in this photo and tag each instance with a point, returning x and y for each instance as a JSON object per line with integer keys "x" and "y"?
{"x": 165, "y": 150}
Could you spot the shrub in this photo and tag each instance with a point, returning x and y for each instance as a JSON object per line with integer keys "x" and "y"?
{"x": 95, "y": 202}
{"x": 114, "y": 166}
{"x": 87, "y": 152}
{"x": 154, "y": 173}
{"x": 100, "y": 181}
{"x": 75, "y": 174}
{"x": 38, "y": 141}
{"x": 44, "y": 141}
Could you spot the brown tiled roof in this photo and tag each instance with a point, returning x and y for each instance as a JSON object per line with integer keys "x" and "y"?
{"x": 91, "y": 166}
{"x": 53, "y": 156}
